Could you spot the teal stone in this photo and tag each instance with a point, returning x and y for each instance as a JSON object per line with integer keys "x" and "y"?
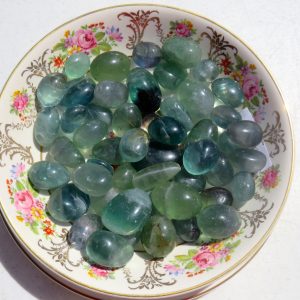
{"x": 100, "y": 113}
{"x": 195, "y": 181}
{"x": 226, "y": 145}
{"x": 146, "y": 54}
{"x": 64, "y": 152}
{"x": 158, "y": 237}
{"x": 122, "y": 178}
{"x": 52, "y": 89}
{"x": 111, "y": 65}
{"x": 108, "y": 150}
{"x": 98, "y": 203}
{"x": 46, "y": 126}
{"x": 200, "y": 157}
{"x": 45, "y": 175}
{"x": 204, "y": 129}
{"x": 77, "y": 65}
{"x": 216, "y": 195}
{"x": 196, "y": 98}
{"x": 224, "y": 115}
{"x": 73, "y": 117}
{"x": 146, "y": 179}
{"x": 68, "y": 203}
{"x": 228, "y": 91}
{"x": 245, "y": 133}
{"x": 133, "y": 145}
{"x": 242, "y": 187}
{"x": 205, "y": 70}
{"x": 108, "y": 249}
{"x": 167, "y": 130}
{"x": 171, "y": 107}
{"x": 92, "y": 179}
{"x": 248, "y": 160}
{"x": 110, "y": 94}
{"x": 103, "y": 163}
{"x": 219, "y": 221}
{"x": 222, "y": 173}
{"x": 183, "y": 51}
{"x": 176, "y": 200}
{"x": 82, "y": 229}
{"x": 127, "y": 213}
{"x": 144, "y": 91}
{"x": 80, "y": 92}
{"x": 187, "y": 230}
{"x": 89, "y": 134}
{"x": 169, "y": 75}
{"x": 126, "y": 117}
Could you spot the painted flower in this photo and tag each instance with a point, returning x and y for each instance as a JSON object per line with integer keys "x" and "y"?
{"x": 37, "y": 213}
{"x": 23, "y": 201}
{"x": 74, "y": 49}
{"x": 85, "y": 39}
{"x": 39, "y": 204}
{"x": 17, "y": 170}
{"x": 250, "y": 86}
{"x": 182, "y": 30}
{"x": 114, "y": 34}
{"x": 69, "y": 42}
{"x": 99, "y": 272}
{"x": 205, "y": 259}
{"x": 58, "y": 61}
{"x": 260, "y": 114}
{"x": 270, "y": 178}
{"x": 173, "y": 270}
{"x": 48, "y": 231}
{"x": 216, "y": 247}
{"x": 20, "y": 102}
{"x": 226, "y": 64}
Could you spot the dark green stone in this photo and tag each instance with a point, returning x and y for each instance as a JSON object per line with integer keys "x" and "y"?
{"x": 108, "y": 150}
{"x": 187, "y": 230}
{"x": 195, "y": 181}
{"x": 216, "y": 195}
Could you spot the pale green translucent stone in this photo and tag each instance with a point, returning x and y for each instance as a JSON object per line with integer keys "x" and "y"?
{"x": 122, "y": 178}
{"x": 77, "y": 65}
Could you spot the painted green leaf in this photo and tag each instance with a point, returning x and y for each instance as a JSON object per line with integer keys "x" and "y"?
{"x": 255, "y": 101}
{"x": 96, "y": 51}
{"x": 20, "y": 186}
{"x": 34, "y": 227}
{"x": 182, "y": 257}
{"x": 105, "y": 46}
{"x": 192, "y": 252}
{"x": 99, "y": 36}
{"x": 190, "y": 265}
{"x": 59, "y": 46}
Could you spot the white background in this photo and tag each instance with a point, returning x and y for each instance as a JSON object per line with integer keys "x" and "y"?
{"x": 272, "y": 29}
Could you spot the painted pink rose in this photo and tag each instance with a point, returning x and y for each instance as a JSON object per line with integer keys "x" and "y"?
{"x": 182, "y": 30}
{"x": 85, "y": 39}
{"x": 250, "y": 86}
{"x": 100, "y": 272}
{"x": 23, "y": 201}
{"x": 20, "y": 102}
{"x": 39, "y": 204}
{"x": 270, "y": 179}
{"x": 205, "y": 259}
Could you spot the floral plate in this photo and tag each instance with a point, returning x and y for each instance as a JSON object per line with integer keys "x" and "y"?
{"x": 188, "y": 270}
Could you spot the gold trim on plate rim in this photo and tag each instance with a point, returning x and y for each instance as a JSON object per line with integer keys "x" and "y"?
{"x": 249, "y": 255}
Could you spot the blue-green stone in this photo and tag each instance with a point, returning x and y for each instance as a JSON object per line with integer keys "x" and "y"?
{"x": 224, "y": 115}
{"x": 228, "y": 91}
{"x": 110, "y": 94}
{"x": 46, "y": 126}
{"x": 64, "y": 152}
{"x": 127, "y": 213}
{"x": 108, "y": 150}
{"x": 195, "y": 181}
{"x": 183, "y": 51}
{"x": 80, "y": 92}
{"x": 68, "y": 203}
{"x": 200, "y": 157}
{"x": 52, "y": 89}
{"x": 205, "y": 70}
{"x": 158, "y": 236}
{"x": 122, "y": 178}
{"x": 187, "y": 230}
{"x": 226, "y": 145}
{"x": 133, "y": 145}
{"x": 111, "y": 65}
{"x": 167, "y": 130}
{"x": 126, "y": 117}
{"x": 108, "y": 249}
{"x": 171, "y": 107}
{"x": 98, "y": 203}
{"x": 222, "y": 173}
{"x": 100, "y": 113}
{"x": 93, "y": 179}
{"x": 245, "y": 133}
{"x": 103, "y": 163}
{"x": 146, "y": 54}
{"x": 219, "y": 221}
{"x": 143, "y": 90}
{"x": 77, "y": 65}
{"x": 242, "y": 187}
{"x": 73, "y": 117}
{"x": 216, "y": 195}
{"x": 82, "y": 229}
{"x": 45, "y": 175}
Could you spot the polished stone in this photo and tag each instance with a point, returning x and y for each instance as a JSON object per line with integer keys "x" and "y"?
{"x": 205, "y": 70}
{"x": 195, "y": 181}
{"x": 77, "y": 65}
{"x": 216, "y": 195}
{"x": 100, "y": 113}
{"x": 122, "y": 178}
{"x": 187, "y": 230}
{"x": 224, "y": 115}
{"x": 74, "y": 117}
{"x": 146, "y": 54}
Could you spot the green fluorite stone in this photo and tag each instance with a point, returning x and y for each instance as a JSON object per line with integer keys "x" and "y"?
{"x": 147, "y": 178}
{"x": 108, "y": 150}
{"x": 74, "y": 117}
{"x": 100, "y": 113}
{"x": 205, "y": 70}
{"x": 45, "y": 175}
{"x": 127, "y": 213}
{"x": 187, "y": 230}
{"x": 195, "y": 181}
{"x": 226, "y": 145}
{"x": 134, "y": 145}
{"x": 219, "y": 221}
{"x": 183, "y": 51}
{"x": 126, "y": 117}
{"x": 112, "y": 65}
{"x": 224, "y": 115}
{"x": 158, "y": 236}
{"x": 216, "y": 195}
{"x": 93, "y": 179}
{"x": 176, "y": 200}
{"x": 122, "y": 178}
{"x": 77, "y": 65}
{"x": 98, "y": 203}
{"x": 108, "y": 249}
